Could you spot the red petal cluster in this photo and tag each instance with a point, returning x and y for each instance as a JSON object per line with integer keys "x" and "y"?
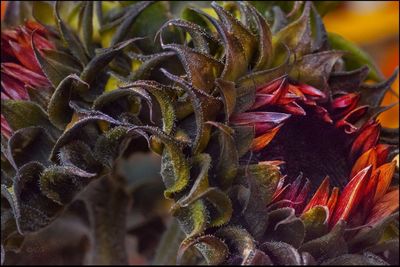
{"x": 290, "y": 98}
{"x": 19, "y": 67}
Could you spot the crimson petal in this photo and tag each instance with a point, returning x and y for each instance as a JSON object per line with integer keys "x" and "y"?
{"x": 351, "y": 196}
{"x": 320, "y": 197}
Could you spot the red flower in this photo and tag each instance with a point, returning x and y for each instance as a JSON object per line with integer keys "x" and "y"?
{"x": 366, "y": 197}
{"x": 19, "y": 67}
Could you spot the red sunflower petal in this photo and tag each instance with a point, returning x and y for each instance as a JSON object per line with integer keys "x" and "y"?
{"x": 309, "y": 90}
{"x": 331, "y": 204}
{"x": 294, "y": 109}
{"x": 351, "y": 196}
{"x": 294, "y": 188}
{"x": 348, "y": 121}
{"x": 255, "y": 117}
{"x": 261, "y": 100}
{"x": 263, "y": 140}
{"x": 345, "y": 101}
{"x": 5, "y": 127}
{"x": 366, "y": 159}
{"x": 368, "y": 198}
{"x": 323, "y": 114}
{"x": 280, "y": 92}
{"x": 12, "y": 88}
{"x": 320, "y": 197}
{"x": 24, "y": 75}
{"x": 279, "y": 194}
{"x": 295, "y": 90}
{"x": 382, "y": 151}
{"x": 24, "y": 54}
{"x": 302, "y": 196}
{"x": 367, "y": 139}
{"x": 32, "y": 25}
{"x": 271, "y": 87}
{"x": 386, "y": 172}
{"x": 384, "y": 207}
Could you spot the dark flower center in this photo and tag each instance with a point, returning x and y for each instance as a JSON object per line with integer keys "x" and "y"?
{"x": 313, "y": 147}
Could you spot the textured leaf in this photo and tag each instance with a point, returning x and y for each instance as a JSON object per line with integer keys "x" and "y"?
{"x": 61, "y": 61}
{"x": 262, "y": 180}
{"x": 257, "y": 257}
{"x": 354, "y": 259}
{"x": 123, "y": 30}
{"x": 390, "y": 248}
{"x": 233, "y": 36}
{"x": 284, "y": 226}
{"x": 297, "y": 35}
{"x": 42, "y": 11}
{"x": 315, "y": 222}
{"x": 314, "y": 69}
{"x": 200, "y": 36}
{"x": 371, "y": 234}
{"x": 239, "y": 42}
{"x": 318, "y": 31}
{"x": 109, "y": 146}
{"x": 281, "y": 253}
{"x": 160, "y": 92}
{"x": 78, "y": 154}
{"x": 243, "y": 137}
{"x": 101, "y": 60}
{"x": 247, "y": 85}
{"x": 228, "y": 93}
{"x": 54, "y": 73}
{"x": 373, "y": 95}
{"x": 62, "y": 183}
{"x": 205, "y": 109}
{"x": 87, "y": 28}
{"x": 34, "y": 209}
{"x": 108, "y": 101}
{"x": 20, "y": 114}
{"x": 201, "y": 184}
{"x": 238, "y": 239}
{"x": 327, "y": 246}
{"x": 220, "y": 207}
{"x": 264, "y": 37}
{"x": 213, "y": 250}
{"x": 60, "y": 113}
{"x": 41, "y": 96}
{"x": 348, "y": 81}
{"x": 69, "y": 38}
{"x": 77, "y": 131}
{"x": 200, "y": 68}
{"x": 193, "y": 218}
{"x": 280, "y": 21}
{"x": 175, "y": 170}
{"x": 30, "y": 144}
{"x": 149, "y": 63}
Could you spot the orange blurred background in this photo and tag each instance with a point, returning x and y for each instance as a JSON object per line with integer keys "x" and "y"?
{"x": 374, "y": 26}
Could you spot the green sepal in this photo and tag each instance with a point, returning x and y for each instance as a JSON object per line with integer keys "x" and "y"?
{"x": 213, "y": 249}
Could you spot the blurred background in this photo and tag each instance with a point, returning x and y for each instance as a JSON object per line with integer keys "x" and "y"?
{"x": 373, "y": 25}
